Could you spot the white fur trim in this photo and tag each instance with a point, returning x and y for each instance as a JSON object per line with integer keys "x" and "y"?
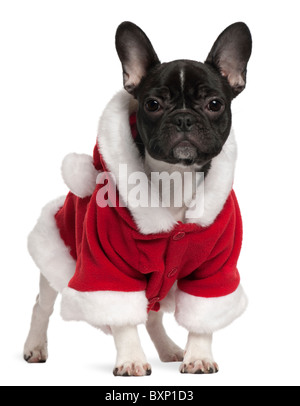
{"x": 205, "y": 315}
{"x": 105, "y": 308}
{"x": 218, "y": 183}
{"x": 117, "y": 147}
{"x": 48, "y": 249}
{"x": 79, "y": 174}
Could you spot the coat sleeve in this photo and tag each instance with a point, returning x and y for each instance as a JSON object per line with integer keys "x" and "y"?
{"x": 107, "y": 288}
{"x": 211, "y": 297}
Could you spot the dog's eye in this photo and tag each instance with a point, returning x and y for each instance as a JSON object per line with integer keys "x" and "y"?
{"x": 214, "y": 106}
{"x": 152, "y": 106}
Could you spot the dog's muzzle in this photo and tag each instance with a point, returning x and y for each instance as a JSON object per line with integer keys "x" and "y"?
{"x": 185, "y": 150}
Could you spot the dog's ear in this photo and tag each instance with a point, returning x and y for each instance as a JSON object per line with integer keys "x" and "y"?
{"x": 230, "y": 55}
{"x": 136, "y": 54}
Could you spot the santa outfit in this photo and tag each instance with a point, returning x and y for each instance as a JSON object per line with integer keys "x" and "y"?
{"x": 114, "y": 264}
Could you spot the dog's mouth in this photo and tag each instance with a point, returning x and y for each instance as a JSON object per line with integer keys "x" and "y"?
{"x": 185, "y": 151}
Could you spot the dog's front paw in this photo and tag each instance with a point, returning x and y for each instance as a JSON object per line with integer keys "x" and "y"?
{"x": 205, "y": 366}
{"x": 132, "y": 369}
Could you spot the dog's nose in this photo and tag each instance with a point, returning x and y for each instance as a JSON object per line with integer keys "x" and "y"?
{"x": 184, "y": 122}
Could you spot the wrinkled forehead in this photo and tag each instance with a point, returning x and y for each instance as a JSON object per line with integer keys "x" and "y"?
{"x": 185, "y": 77}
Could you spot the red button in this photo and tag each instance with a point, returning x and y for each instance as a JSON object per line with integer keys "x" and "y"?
{"x": 172, "y": 273}
{"x": 178, "y": 236}
{"x": 154, "y": 300}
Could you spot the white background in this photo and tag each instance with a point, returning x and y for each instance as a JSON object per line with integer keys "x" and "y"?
{"x": 58, "y": 69}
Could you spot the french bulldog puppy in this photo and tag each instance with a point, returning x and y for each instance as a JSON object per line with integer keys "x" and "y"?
{"x": 183, "y": 125}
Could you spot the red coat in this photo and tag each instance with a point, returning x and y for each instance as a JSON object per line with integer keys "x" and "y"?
{"x": 111, "y": 254}
{"x": 112, "y": 264}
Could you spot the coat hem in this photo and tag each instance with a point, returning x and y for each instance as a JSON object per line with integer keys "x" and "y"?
{"x": 48, "y": 250}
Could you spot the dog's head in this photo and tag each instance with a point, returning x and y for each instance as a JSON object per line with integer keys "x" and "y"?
{"x": 184, "y": 114}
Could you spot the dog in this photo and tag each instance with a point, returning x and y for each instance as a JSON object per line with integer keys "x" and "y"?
{"x": 118, "y": 263}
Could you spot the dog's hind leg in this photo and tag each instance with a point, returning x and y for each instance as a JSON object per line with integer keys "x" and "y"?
{"x": 35, "y": 348}
{"x": 167, "y": 350}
